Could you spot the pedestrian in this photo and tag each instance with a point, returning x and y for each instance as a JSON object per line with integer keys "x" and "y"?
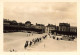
{"x": 44, "y": 45}
{"x": 27, "y": 35}
{"x": 10, "y": 50}
{"x": 57, "y": 38}
{"x": 13, "y": 50}
{"x": 53, "y": 37}
{"x": 32, "y": 34}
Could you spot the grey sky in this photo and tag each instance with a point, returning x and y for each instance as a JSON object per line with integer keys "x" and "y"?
{"x": 42, "y": 12}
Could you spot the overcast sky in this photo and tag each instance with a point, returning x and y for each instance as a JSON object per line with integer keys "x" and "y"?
{"x": 42, "y": 12}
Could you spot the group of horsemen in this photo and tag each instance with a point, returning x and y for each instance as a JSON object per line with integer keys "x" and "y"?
{"x": 34, "y": 41}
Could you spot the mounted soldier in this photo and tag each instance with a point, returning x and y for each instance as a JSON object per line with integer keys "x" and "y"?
{"x": 26, "y": 44}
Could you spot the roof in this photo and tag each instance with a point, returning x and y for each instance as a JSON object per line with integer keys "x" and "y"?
{"x": 39, "y": 24}
{"x": 51, "y": 25}
{"x": 64, "y": 24}
{"x": 73, "y": 27}
{"x": 27, "y": 22}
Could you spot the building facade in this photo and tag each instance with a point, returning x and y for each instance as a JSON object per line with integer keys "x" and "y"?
{"x": 40, "y": 28}
{"x": 64, "y": 27}
{"x": 50, "y": 28}
{"x": 73, "y": 29}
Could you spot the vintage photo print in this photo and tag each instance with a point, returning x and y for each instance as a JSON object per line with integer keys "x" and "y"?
{"x": 40, "y": 26}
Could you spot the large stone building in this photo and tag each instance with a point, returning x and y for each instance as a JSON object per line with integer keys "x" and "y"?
{"x": 64, "y": 27}
{"x": 73, "y": 29}
{"x": 40, "y": 28}
{"x": 50, "y": 28}
{"x": 13, "y": 26}
{"x": 6, "y": 22}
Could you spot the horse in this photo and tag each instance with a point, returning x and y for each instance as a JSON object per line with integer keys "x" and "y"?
{"x": 30, "y": 43}
{"x": 26, "y": 44}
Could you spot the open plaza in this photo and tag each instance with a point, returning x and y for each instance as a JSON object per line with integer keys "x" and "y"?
{"x": 16, "y": 41}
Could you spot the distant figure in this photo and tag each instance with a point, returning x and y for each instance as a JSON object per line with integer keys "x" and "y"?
{"x": 32, "y": 34}
{"x": 40, "y": 39}
{"x": 27, "y": 35}
{"x": 44, "y": 45}
{"x": 61, "y": 39}
{"x": 13, "y": 50}
{"x": 57, "y": 38}
{"x": 53, "y": 37}
{"x": 10, "y": 50}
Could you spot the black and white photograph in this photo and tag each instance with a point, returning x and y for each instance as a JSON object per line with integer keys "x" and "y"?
{"x": 40, "y": 27}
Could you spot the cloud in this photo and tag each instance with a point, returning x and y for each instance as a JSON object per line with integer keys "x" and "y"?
{"x": 45, "y": 12}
